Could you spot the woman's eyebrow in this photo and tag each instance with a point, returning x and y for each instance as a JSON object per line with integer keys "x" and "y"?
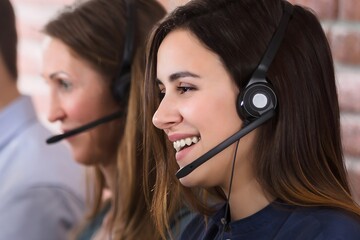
{"x": 175, "y": 76}
{"x": 56, "y": 74}
{"x": 183, "y": 74}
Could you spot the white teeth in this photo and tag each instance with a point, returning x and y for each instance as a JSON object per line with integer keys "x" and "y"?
{"x": 179, "y": 144}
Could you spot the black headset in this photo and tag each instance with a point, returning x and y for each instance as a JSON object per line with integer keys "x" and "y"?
{"x": 258, "y": 96}
{"x": 120, "y": 86}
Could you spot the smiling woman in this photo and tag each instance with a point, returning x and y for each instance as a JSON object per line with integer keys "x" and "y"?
{"x": 228, "y": 68}
{"x": 191, "y": 98}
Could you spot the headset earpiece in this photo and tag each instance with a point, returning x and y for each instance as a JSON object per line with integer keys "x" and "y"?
{"x": 258, "y": 97}
{"x": 255, "y": 100}
{"x": 120, "y": 86}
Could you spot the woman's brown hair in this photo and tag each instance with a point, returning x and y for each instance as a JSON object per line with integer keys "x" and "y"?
{"x": 299, "y": 157}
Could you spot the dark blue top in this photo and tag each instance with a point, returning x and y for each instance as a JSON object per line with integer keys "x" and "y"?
{"x": 279, "y": 221}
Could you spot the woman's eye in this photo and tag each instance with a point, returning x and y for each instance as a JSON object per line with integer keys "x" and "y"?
{"x": 65, "y": 85}
{"x": 161, "y": 94}
{"x": 185, "y": 89}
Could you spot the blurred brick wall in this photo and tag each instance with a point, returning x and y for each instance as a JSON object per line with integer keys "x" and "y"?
{"x": 340, "y": 19}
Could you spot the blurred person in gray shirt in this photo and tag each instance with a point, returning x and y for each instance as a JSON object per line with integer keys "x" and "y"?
{"x": 42, "y": 189}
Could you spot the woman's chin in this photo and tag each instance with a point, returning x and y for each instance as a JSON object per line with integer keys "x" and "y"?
{"x": 83, "y": 159}
{"x": 190, "y": 181}
{"x": 186, "y": 182}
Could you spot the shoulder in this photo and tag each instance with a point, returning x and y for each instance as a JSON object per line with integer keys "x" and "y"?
{"x": 337, "y": 224}
{"x": 321, "y": 223}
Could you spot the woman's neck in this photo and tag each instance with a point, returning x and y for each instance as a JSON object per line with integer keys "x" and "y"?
{"x": 247, "y": 199}
{"x": 109, "y": 171}
{"x": 246, "y": 195}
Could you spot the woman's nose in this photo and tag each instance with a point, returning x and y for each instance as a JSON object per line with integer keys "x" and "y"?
{"x": 55, "y": 111}
{"x": 167, "y": 114}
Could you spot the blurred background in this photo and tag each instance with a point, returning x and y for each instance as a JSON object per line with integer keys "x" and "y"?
{"x": 341, "y": 22}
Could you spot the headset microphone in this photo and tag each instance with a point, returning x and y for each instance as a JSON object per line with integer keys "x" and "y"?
{"x": 85, "y": 127}
{"x": 226, "y": 143}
